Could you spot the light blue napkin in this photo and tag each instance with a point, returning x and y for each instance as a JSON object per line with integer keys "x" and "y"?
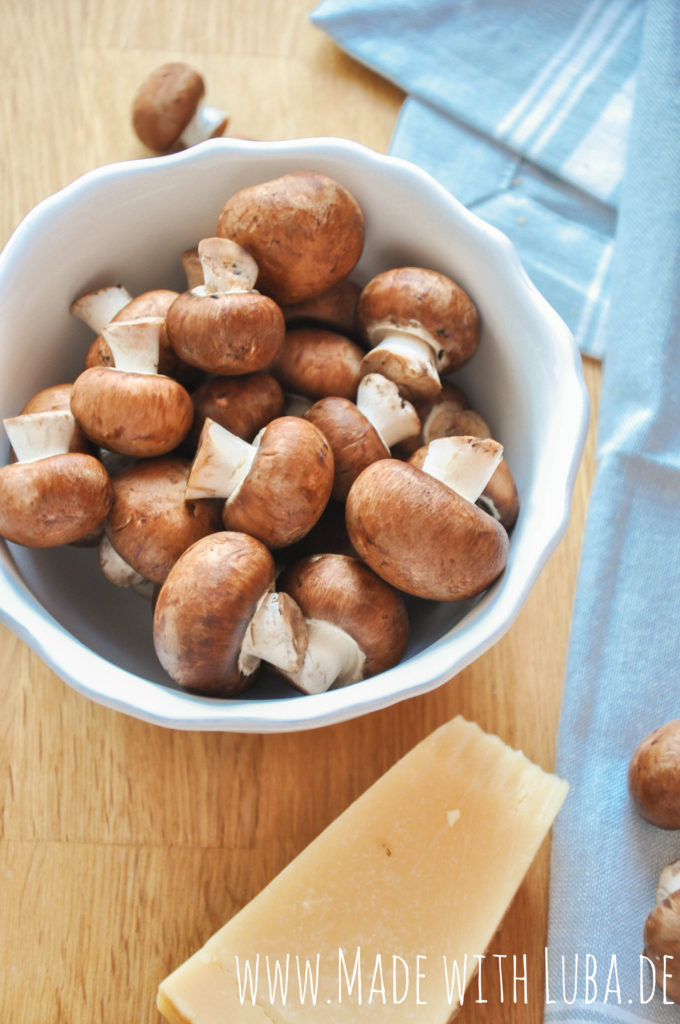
{"x": 524, "y": 111}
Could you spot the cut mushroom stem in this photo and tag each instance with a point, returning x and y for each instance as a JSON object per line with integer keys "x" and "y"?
{"x": 207, "y": 123}
{"x": 333, "y": 657}
{"x": 392, "y": 416}
{"x": 134, "y": 344}
{"x": 115, "y": 568}
{"x": 226, "y": 267}
{"x": 277, "y": 633}
{"x": 222, "y": 463}
{"x": 465, "y": 464}
{"x": 669, "y": 881}
{"x": 39, "y": 435}
{"x": 98, "y": 308}
{"x": 406, "y": 358}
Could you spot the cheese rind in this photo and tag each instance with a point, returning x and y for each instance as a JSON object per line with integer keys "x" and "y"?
{"x": 415, "y": 875}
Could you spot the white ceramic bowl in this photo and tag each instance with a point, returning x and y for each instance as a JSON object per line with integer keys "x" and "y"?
{"x": 129, "y": 223}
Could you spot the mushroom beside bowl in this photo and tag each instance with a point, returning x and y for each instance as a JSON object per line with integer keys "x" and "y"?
{"x": 130, "y": 223}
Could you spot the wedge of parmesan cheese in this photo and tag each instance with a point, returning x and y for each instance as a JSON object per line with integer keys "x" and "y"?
{"x": 386, "y": 913}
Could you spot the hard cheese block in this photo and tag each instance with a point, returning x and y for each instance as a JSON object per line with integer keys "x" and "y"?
{"x": 382, "y": 915}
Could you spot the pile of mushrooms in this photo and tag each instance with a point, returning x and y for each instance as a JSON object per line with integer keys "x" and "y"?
{"x": 274, "y": 456}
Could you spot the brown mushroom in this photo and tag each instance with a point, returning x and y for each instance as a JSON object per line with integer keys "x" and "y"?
{"x": 56, "y": 396}
{"x": 129, "y": 408}
{"x": 151, "y": 303}
{"x": 654, "y": 776}
{"x": 420, "y": 324}
{"x": 335, "y": 309}
{"x": 276, "y": 488}
{"x": 242, "y": 405}
{"x": 167, "y": 109}
{"x": 216, "y": 614}
{"x": 420, "y": 534}
{"x": 50, "y": 496}
{"x": 661, "y": 934}
{"x": 499, "y": 498}
{"x": 357, "y": 624}
{"x": 304, "y": 229}
{"x": 362, "y": 433}
{"x": 318, "y": 363}
{"x": 150, "y": 523}
{"x": 224, "y": 326}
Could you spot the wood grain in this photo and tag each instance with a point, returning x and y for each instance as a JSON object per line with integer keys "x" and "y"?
{"x": 124, "y": 846}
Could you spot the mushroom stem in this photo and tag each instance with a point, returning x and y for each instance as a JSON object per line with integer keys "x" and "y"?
{"x": 392, "y": 416}
{"x": 38, "y": 435}
{"x": 207, "y": 123}
{"x": 134, "y": 344}
{"x": 221, "y": 464}
{"x": 115, "y": 568}
{"x": 226, "y": 266}
{"x": 276, "y": 633}
{"x": 98, "y": 308}
{"x": 465, "y": 464}
{"x": 414, "y": 353}
{"x": 332, "y": 656}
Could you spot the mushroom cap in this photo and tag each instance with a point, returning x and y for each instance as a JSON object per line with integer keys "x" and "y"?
{"x": 203, "y": 610}
{"x": 152, "y": 303}
{"x": 661, "y": 936}
{"x": 53, "y": 501}
{"x": 423, "y": 302}
{"x": 421, "y": 536}
{"x": 316, "y": 362}
{"x": 150, "y": 524}
{"x": 654, "y": 776}
{"x": 334, "y": 309}
{"x": 242, "y": 405}
{"x": 354, "y": 441}
{"x": 227, "y": 333}
{"x": 164, "y": 104}
{"x": 343, "y": 591}
{"x": 304, "y": 229}
{"x": 288, "y": 486}
{"x": 138, "y": 414}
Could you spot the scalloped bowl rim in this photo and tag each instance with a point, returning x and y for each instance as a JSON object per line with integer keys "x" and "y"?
{"x": 95, "y": 677}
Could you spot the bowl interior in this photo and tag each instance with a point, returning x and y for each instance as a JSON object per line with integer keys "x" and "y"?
{"x": 130, "y": 224}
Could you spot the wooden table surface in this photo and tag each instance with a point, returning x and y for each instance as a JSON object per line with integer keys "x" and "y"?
{"x": 123, "y": 846}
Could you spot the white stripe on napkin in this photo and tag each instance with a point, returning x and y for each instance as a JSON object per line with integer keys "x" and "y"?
{"x": 586, "y": 78}
{"x": 608, "y": 138}
{"x": 590, "y": 34}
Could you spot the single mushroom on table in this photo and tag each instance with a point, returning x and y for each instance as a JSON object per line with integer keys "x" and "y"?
{"x": 420, "y": 530}
{"x": 362, "y": 433}
{"x": 357, "y": 624}
{"x": 304, "y": 229}
{"x": 217, "y": 616}
{"x": 661, "y": 934}
{"x": 167, "y": 109}
{"x": 420, "y": 324}
{"x": 150, "y": 523}
{"x": 654, "y": 776}
{"x": 130, "y": 408}
{"x": 318, "y": 363}
{"x": 275, "y": 488}
{"x": 51, "y": 495}
{"x": 224, "y": 326}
